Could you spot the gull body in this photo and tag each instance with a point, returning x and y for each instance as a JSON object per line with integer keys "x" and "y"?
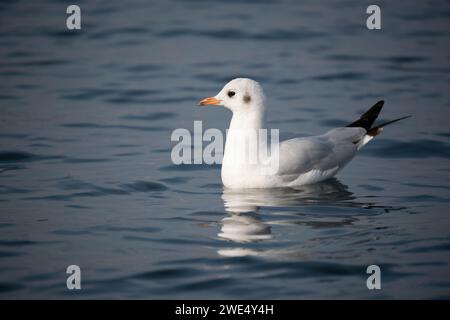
{"x": 297, "y": 161}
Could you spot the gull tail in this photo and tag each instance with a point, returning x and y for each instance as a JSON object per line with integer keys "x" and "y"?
{"x": 377, "y": 130}
{"x": 367, "y": 120}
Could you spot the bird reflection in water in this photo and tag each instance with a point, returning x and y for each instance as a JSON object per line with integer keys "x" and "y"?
{"x": 244, "y": 225}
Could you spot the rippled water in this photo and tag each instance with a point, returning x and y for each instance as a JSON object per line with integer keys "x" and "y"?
{"x": 85, "y": 170}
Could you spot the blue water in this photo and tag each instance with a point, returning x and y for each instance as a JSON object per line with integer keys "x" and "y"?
{"x": 86, "y": 176}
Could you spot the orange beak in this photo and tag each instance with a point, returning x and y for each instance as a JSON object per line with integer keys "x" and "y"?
{"x": 210, "y": 101}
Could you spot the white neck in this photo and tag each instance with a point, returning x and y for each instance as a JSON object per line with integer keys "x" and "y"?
{"x": 247, "y": 120}
{"x": 242, "y": 133}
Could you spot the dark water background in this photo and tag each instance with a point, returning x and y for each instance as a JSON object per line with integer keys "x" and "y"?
{"x": 85, "y": 170}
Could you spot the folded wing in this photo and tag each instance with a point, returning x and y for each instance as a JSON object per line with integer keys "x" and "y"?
{"x": 330, "y": 151}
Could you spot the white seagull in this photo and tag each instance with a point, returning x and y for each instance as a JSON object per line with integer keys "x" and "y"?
{"x": 297, "y": 161}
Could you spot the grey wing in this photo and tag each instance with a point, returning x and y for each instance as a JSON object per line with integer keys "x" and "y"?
{"x": 329, "y": 151}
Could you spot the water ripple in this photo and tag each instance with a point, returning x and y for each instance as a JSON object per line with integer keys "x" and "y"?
{"x": 420, "y": 148}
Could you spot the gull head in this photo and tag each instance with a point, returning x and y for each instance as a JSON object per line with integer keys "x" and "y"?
{"x": 240, "y": 95}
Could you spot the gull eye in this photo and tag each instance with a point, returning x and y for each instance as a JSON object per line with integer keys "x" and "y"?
{"x": 231, "y": 93}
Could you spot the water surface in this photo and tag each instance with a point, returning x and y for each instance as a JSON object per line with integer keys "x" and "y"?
{"x": 85, "y": 170}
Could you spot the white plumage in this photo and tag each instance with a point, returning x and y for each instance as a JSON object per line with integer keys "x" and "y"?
{"x": 299, "y": 161}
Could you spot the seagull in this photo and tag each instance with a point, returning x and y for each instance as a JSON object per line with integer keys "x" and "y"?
{"x": 291, "y": 163}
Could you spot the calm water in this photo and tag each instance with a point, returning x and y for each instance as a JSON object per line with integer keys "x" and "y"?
{"x": 85, "y": 170}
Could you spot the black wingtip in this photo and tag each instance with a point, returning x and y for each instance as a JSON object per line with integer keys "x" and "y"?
{"x": 368, "y": 118}
{"x": 379, "y": 104}
{"x": 392, "y": 121}
{"x": 376, "y": 130}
